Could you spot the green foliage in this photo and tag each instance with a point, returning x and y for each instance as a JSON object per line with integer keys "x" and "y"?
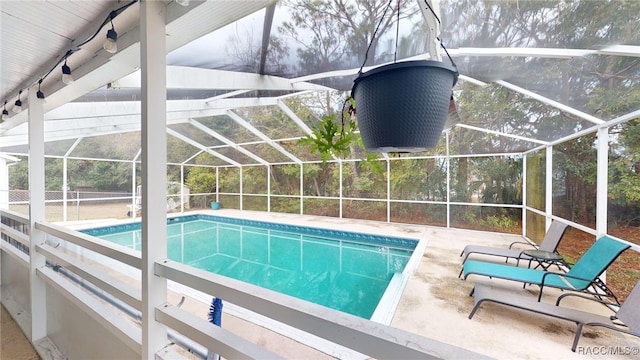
{"x": 575, "y": 166}
{"x": 419, "y": 179}
{"x": 107, "y": 175}
{"x": 372, "y": 163}
{"x": 335, "y": 33}
{"x": 285, "y": 180}
{"x": 201, "y": 180}
{"x": 19, "y": 175}
{"x": 604, "y": 86}
{"x": 336, "y": 36}
{"x": 285, "y": 205}
{"x": 359, "y": 181}
{"x": 99, "y": 175}
{"x": 53, "y": 175}
{"x": 321, "y": 179}
{"x": 624, "y": 167}
{"x": 625, "y": 187}
{"x": 330, "y": 139}
{"x": 254, "y": 180}
{"x": 498, "y": 180}
{"x": 501, "y": 222}
{"x": 229, "y": 178}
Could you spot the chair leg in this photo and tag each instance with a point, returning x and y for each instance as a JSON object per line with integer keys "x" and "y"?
{"x": 540, "y": 294}
{"x": 577, "y": 337}
{"x": 475, "y": 308}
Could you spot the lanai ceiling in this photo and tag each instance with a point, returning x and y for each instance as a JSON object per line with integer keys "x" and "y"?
{"x": 229, "y": 60}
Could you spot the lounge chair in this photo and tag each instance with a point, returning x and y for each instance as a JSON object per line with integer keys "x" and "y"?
{"x": 626, "y": 319}
{"x": 582, "y": 276}
{"x": 549, "y": 243}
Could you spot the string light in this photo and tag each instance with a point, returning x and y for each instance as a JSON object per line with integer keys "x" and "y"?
{"x": 110, "y": 43}
{"x": 40, "y": 94}
{"x": 17, "y": 106}
{"x": 66, "y": 73}
{"x": 5, "y": 113}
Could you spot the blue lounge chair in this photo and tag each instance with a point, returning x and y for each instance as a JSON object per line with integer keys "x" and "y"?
{"x": 549, "y": 243}
{"x": 582, "y": 276}
{"x": 626, "y": 319}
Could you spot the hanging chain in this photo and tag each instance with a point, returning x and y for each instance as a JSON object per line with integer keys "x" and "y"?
{"x": 366, "y": 55}
{"x": 395, "y": 55}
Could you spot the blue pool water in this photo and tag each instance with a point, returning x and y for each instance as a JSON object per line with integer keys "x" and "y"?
{"x": 341, "y": 270}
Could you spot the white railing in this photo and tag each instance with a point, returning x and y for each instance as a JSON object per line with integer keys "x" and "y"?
{"x": 97, "y": 262}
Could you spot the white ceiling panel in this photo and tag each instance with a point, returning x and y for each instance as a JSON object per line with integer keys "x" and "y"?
{"x": 34, "y": 32}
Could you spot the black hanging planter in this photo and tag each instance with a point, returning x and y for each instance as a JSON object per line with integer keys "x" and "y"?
{"x": 403, "y": 106}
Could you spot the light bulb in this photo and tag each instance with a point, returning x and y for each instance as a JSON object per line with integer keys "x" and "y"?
{"x": 5, "y": 113}
{"x": 17, "y": 106}
{"x": 110, "y": 43}
{"x": 41, "y": 98}
{"x": 40, "y": 94}
{"x": 66, "y": 74}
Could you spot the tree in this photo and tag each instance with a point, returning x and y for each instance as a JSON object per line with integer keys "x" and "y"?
{"x": 335, "y": 34}
{"x": 605, "y": 86}
{"x": 201, "y": 180}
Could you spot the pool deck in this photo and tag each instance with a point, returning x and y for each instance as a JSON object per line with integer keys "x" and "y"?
{"x": 435, "y": 303}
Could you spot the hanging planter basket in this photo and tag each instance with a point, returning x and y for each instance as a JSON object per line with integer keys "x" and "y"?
{"x": 403, "y": 107}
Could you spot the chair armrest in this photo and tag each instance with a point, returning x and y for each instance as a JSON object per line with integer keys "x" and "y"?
{"x": 544, "y": 277}
{"x": 547, "y": 273}
{"x": 590, "y": 298}
{"x": 522, "y": 242}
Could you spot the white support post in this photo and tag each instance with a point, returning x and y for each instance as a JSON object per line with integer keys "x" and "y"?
{"x": 388, "y": 190}
{"x": 340, "y": 163}
{"x": 134, "y": 184}
{"x": 241, "y": 189}
{"x": 36, "y": 213}
{"x": 181, "y": 188}
{"x": 4, "y": 197}
{"x": 217, "y": 184}
{"x": 268, "y": 188}
{"x": 65, "y": 180}
{"x": 4, "y": 183}
{"x": 154, "y": 170}
{"x": 524, "y": 195}
{"x": 65, "y": 189}
{"x": 301, "y": 189}
{"x": 602, "y": 181}
{"x": 548, "y": 188}
{"x": 448, "y": 159}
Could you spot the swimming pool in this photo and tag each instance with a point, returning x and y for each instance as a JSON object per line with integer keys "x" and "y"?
{"x": 342, "y": 270}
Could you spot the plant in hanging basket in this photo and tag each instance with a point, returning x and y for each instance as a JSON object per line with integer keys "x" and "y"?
{"x": 330, "y": 138}
{"x": 403, "y": 107}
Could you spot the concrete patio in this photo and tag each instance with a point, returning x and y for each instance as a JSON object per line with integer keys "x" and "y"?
{"x": 434, "y": 304}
